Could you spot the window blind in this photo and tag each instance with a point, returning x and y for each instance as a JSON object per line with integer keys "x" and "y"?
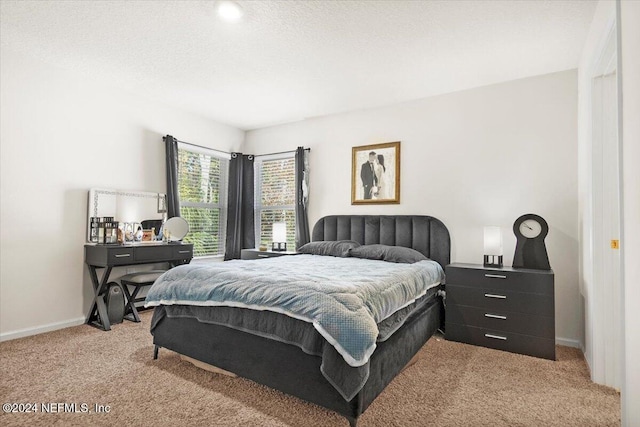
{"x": 275, "y": 198}
{"x": 202, "y": 187}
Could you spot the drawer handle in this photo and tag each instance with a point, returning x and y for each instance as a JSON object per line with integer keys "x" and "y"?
{"x": 495, "y": 316}
{"x": 495, "y": 276}
{"x": 263, "y": 256}
{"x": 495, "y": 296}
{"x": 496, "y": 337}
{"x": 122, "y": 255}
{"x": 184, "y": 252}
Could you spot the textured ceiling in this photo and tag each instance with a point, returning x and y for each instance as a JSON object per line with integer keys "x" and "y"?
{"x": 290, "y": 60}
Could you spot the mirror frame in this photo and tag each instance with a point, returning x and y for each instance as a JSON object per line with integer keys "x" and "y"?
{"x": 94, "y": 195}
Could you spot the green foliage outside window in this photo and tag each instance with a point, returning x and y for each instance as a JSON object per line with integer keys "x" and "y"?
{"x": 200, "y": 179}
{"x": 276, "y": 199}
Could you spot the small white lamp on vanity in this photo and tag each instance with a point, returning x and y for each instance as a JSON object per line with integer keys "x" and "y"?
{"x": 492, "y": 247}
{"x": 279, "y": 237}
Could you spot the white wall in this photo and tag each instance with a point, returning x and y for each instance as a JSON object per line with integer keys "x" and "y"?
{"x": 473, "y": 158}
{"x": 61, "y": 134}
{"x": 630, "y": 44}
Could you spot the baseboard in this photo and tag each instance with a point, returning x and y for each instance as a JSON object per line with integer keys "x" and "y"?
{"x": 41, "y": 329}
{"x": 569, "y": 343}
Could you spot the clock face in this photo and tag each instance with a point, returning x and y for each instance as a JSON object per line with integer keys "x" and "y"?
{"x": 530, "y": 228}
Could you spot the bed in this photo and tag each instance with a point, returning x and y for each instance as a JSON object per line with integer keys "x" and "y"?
{"x": 320, "y": 368}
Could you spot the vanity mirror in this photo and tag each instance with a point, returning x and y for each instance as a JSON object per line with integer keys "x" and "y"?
{"x": 175, "y": 229}
{"x": 132, "y": 207}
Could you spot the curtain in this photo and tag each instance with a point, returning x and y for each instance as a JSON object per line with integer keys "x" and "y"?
{"x": 173, "y": 199}
{"x": 240, "y": 221}
{"x": 302, "y": 197}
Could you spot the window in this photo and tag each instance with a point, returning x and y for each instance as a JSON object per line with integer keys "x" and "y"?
{"x": 275, "y": 198}
{"x": 202, "y": 188}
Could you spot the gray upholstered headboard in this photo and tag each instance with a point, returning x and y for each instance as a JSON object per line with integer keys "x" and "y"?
{"x": 425, "y": 234}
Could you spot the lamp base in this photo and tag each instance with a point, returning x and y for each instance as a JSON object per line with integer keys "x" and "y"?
{"x": 493, "y": 261}
{"x": 281, "y": 247}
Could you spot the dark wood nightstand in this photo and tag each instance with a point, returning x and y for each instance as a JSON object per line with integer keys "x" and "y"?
{"x": 503, "y": 308}
{"x": 256, "y": 254}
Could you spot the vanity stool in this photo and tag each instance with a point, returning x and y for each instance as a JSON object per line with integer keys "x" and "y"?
{"x": 138, "y": 280}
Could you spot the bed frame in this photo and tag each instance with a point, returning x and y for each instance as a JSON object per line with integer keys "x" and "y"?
{"x": 261, "y": 359}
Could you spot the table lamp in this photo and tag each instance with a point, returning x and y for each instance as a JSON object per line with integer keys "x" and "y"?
{"x": 279, "y": 237}
{"x": 492, "y": 247}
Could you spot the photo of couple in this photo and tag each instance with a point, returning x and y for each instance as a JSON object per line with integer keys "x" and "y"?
{"x": 376, "y": 175}
{"x": 373, "y": 177}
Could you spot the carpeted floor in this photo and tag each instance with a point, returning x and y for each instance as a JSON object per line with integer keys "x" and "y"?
{"x": 450, "y": 385}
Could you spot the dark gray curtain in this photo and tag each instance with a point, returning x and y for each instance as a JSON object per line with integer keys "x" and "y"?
{"x": 240, "y": 225}
{"x": 173, "y": 199}
{"x": 302, "y": 196}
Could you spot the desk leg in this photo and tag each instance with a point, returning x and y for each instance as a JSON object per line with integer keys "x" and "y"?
{"x": 101, "y": 318}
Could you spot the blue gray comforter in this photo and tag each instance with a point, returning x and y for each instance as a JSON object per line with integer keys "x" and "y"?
{"x": 344, "y": 298}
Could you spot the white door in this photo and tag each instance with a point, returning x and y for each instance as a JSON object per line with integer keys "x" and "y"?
{"x": 606, "y": 224}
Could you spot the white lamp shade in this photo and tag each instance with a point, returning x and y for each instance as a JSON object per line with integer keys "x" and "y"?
{"x": 279, "y": 232}
{"x": 492, "y": 241}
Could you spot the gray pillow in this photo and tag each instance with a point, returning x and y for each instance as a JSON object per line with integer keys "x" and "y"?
{"x": 339, "y": 248}
{"x": 388, "y": 253}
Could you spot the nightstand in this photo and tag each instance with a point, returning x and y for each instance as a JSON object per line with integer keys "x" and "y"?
{"x": 503, "y": 308}
{"x": 256, "y": 254}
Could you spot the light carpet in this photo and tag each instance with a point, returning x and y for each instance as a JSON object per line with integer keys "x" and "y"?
{"x": 451, "y": 384}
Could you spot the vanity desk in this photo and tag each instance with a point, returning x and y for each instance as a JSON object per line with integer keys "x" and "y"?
{"x": 109, "y": 256}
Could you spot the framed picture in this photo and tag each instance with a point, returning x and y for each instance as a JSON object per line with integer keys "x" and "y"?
{"x": 375, "y": 174}
{"x": 147, "y": 235}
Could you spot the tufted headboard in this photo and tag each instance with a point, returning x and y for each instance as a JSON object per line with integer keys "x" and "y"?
{"x": 425, "y": 234}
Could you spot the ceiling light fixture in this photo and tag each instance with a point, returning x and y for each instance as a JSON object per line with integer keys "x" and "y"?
{"x": 230, "y": 11}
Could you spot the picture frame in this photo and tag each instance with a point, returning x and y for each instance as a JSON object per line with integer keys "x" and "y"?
{"x": 375, "y": 174}
{"x": 147, "y": 235}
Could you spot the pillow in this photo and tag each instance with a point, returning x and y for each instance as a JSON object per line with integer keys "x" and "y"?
{"x": 339, "y": 248}
{"x": 388, "y": 253}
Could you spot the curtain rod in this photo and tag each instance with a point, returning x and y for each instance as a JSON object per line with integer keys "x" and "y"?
{"x": 280, "y": 152}
{"x": 199, "y": 146}
{"x": 224, "y": 152}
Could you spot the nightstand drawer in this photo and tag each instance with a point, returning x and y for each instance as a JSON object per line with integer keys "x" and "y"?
{"x": 507, "y": 321}
{"x": 500, "y": 300}
{"x": 507, "y": 341}
{"x": 529, "y": 281}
